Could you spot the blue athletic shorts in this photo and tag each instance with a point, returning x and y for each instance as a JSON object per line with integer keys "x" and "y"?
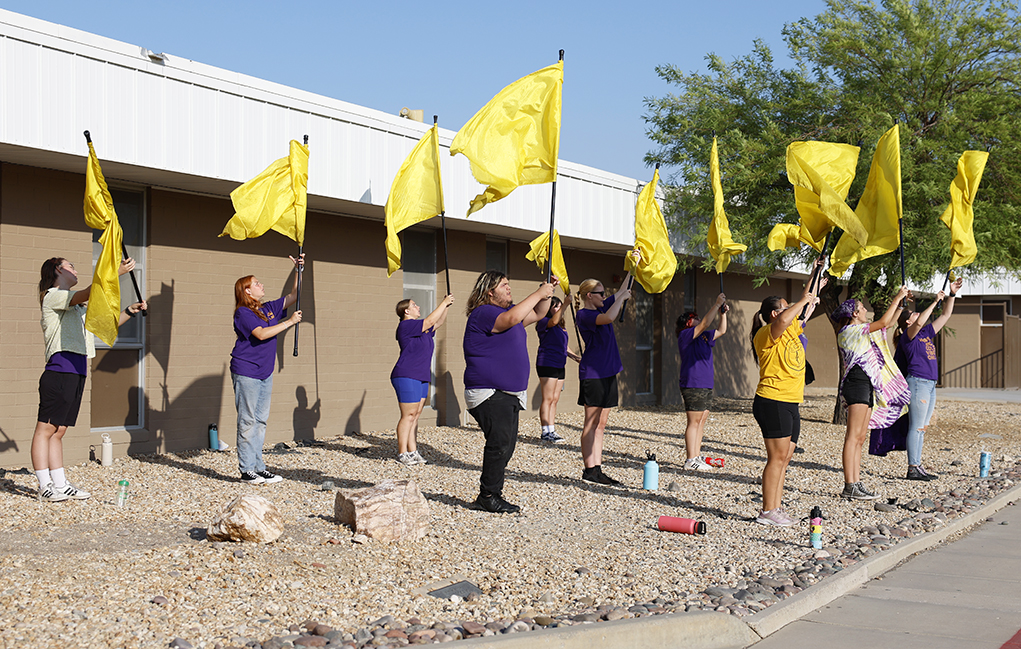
{"x": 410, "y": 390}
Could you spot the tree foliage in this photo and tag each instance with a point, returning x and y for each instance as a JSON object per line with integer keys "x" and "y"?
{"x": 947, "y": 71}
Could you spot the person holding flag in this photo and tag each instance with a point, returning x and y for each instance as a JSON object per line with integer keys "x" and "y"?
{"x": 69, "y": 346}
{"x": 252, "y": 362}
{"x": 550, "y": 365}
{"x": 410, "y": 376}
{"x": 695, "y": 342}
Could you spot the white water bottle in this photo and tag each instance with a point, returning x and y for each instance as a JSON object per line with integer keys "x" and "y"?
{"x": 107, "y": 452}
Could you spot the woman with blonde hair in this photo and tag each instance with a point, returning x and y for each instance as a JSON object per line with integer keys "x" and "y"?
{"x": 598, "y": 369}
{"x": 252, "y": 362}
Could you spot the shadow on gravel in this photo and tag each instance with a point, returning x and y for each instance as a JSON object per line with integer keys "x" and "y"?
{"x": 176, "y": 460}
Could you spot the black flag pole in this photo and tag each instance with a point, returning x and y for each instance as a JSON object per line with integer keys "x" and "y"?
{"x": 301, "y": 266}
{"x": 552, "y": 216}
{"x": 946, "y": 280}
{"x": 124, "y": 251}
{"x": 443, "y": 226}
{"x": 816, "y": 277}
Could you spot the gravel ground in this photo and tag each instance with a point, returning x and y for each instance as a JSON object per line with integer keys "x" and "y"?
{"x": 87, "y": 573}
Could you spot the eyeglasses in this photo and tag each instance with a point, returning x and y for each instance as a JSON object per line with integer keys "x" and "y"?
{"x": 599, "y": 293}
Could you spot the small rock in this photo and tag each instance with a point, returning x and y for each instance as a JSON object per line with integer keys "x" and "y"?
{"x": 674, "y": 487}
{"x": 311, "y": 641}
{"x": 582, "y": 570}
{"x": 1004, "y": 522}
{"x": 543, "y": 620}
{"x": 615, "y": 614}
{"x": 180, "y": 643}
{"x": 473, "y": 628}
{"x": 360, "y": 539}
{"x": 586, "y": 601}
{"x": 239, "y": 554}
{"x": 327, "y": 485}
{"x": 928, "y": 503}
{"x": 160, "y": 600}
{"x": 386, "y": 620}
{"x": 519, "y": 626}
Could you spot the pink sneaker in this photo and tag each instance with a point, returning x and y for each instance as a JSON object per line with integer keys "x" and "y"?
{"x": 774, "y": 517}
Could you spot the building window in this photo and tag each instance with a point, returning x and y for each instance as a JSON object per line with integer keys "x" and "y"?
{"x": 644, "y": 339}
{"x": 496, "y": 255}
{"x": 994, "y": 312}
{"x": 419, "y": 264}
{"x": 118, "y": 389}
{"x": 689, "y": 291}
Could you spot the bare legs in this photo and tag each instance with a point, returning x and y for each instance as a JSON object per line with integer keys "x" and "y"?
{"x": 407, "y": 427}
{"x": 592, "y": 435}
{"x": 693, "y": 433}
{"x": 779, "y": 451}
{"x": 858, "y": 415}
{"x": 551, "y": 389}
{"x": 47, "y": 446}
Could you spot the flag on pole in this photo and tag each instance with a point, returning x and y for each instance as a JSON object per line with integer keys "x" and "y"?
{"x": 103, "y": 314}
{"x": 960, "y": 215}
{"x": 879, "y": 208}
{"x": 791, "y": 235}
{"x": 514, "y": 139}
{"x": 416, "y": 194}
{"x": 275, "y": 199}
{"x": 537, "y": 252}
{"x": 821, "y": 173}
{"x": 721, "y": 245}
{"x": 659, "y": 262}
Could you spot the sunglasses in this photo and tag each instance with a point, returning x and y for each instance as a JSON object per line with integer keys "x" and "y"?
{"x": 599, "y": 293}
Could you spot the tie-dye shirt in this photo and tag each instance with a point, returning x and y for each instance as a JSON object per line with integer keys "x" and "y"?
{"x": 870, "y": 351}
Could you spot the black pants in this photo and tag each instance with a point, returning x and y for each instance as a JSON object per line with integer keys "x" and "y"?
{"x": 498, "y": 418}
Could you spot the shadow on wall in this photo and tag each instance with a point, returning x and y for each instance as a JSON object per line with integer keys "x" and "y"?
{"x": 447, "y": 406}
{"x": 305, "y": 418}
{"x": 354, "y": 422}
{"x": 181, "y": 424}
{"x": 7, "y": 444}
{"x": 162, "y": 304}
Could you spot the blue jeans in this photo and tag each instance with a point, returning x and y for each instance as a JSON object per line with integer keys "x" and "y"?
{"x": 252, "y": 399}
{"x": 923, "y": 402}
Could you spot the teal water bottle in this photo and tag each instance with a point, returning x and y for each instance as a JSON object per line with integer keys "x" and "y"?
{"x": 650, "y": 480}
{"x": 214, "y": 438}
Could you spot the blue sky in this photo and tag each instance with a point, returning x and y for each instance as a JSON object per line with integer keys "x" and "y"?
{"x": 450, "y": 58}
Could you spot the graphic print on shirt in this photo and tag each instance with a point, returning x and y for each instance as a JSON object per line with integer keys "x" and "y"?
{"x": 930, "y": 348}
{"x": 794, "y": 355}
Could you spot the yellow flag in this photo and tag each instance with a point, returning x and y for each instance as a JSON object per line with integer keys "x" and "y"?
{"x": 821, "y": 173}
{"x": 416, "y": 194}
{"x": 791, "y": 235}
{"x": 959, "y": 215}
{"x": 537, "y": 253}
{"x": 275, "y": 199}
{"x": 514, "y": 139}
{"x": 721, "y": 246}
{"x": 104, "y": 310}
{"x": 659, "y": 262}
{"x": 879, "y": 208}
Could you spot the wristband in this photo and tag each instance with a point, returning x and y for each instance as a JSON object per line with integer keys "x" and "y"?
{"x": 127, "y": 310}
{"x": 953, "y": 295}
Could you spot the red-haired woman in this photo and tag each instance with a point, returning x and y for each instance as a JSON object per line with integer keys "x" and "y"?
{"x": 252, "y": 362}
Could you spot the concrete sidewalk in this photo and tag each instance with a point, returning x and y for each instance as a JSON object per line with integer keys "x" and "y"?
{"x": 957, "y": 596}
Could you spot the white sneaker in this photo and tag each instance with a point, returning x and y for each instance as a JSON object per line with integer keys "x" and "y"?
{"x": 267, "y": 477}
{"x": 696, "y": 464}
{"x": 407, "y": 459}
{"x": 418, "y": 458}
{"x": 72, "y": 492}
{"x": 49, "y": 494}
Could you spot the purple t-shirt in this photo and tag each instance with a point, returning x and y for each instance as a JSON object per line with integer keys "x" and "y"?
{"x": 696, "y": 358}
{"x": 416, "y": 357}
{"x": 601, "y": 358}
{"x": 918, "y": 357}
{"x": 497, "y": 361}
{"x": 68, "y": 363}
{"x": 552, "y": 345}
{"x": 252, "y": 357}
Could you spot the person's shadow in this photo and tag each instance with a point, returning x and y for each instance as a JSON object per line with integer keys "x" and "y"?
{"x": 305, "y": 419}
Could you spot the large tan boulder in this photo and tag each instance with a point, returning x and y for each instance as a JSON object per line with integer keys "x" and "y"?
{"x": 247, "y": 518}
{"x": 393, "y": 510}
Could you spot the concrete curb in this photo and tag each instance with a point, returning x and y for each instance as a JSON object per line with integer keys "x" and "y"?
{"x": 713, "y": 630}
{"x": 779, "y": 615}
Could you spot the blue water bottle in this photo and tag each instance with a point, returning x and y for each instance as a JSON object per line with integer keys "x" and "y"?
{"x": 650, "y": 480}
{"x": 984, "y": 460}
{"x": 214, "y": 438}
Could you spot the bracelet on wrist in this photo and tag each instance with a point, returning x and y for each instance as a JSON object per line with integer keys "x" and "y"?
{"x": 953, "y": 295}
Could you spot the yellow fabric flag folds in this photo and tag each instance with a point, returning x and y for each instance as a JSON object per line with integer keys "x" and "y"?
{"x": 821, "y": 173}
{"x": 104, "y": 310}
{"x": 879, "y": 208}
{"x": 659, "y": 262}
{"x": 960, "y": 215}
{"x": 721, "y": 245}
{"x": 514, "y": 139}
{"x": 416, "y": 194}
{"x": 538, "y": 250}
{"x": 784, "y": 235}
{"x": 275, "y": 199}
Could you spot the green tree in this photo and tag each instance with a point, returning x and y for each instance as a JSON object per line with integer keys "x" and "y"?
{"x": 947, "y": 71}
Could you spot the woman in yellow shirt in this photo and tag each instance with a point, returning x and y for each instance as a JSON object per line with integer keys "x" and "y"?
{"x": 775, "y": 340}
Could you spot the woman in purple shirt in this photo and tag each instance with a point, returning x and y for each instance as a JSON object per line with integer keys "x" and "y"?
{"x": 550, "y": 362}
{"x": 496, "y": 374}
{"x": 252, "y": 362}
{"x": 916, "y": 358}
{"x": 695, "y": 342}
{"x": 598, "y": 369}
{"x": 410, "y": 376}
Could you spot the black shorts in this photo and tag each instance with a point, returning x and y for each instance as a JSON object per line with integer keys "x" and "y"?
{"x": 777, "y": 419}
{"x": 546, "y": 372}
{"x": 60, "y": 398}
{"x": 697, "y": 399}
{"x": 598, "y": 393}
{"x": 858, "y": 388}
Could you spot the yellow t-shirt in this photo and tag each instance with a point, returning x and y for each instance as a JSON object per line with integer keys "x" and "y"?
{"x": 781, "y": 364}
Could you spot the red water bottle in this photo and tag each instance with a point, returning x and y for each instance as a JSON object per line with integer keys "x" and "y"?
{"x": 714, "y": 461}
{"x": 682, "y": 525}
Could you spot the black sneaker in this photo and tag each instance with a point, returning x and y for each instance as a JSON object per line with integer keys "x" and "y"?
{"x": 268, "y": 478}
{"x": 918, "y": 473}
{"x": 250, "y": 477}
{"x": 595, "y": 474}
{"x": 495, "y": 505}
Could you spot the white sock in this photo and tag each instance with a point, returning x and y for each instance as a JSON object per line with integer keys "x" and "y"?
{"x": 43, "y": 476}
{"x": 59, "y": 480}
{"x": 547, "y": 429}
